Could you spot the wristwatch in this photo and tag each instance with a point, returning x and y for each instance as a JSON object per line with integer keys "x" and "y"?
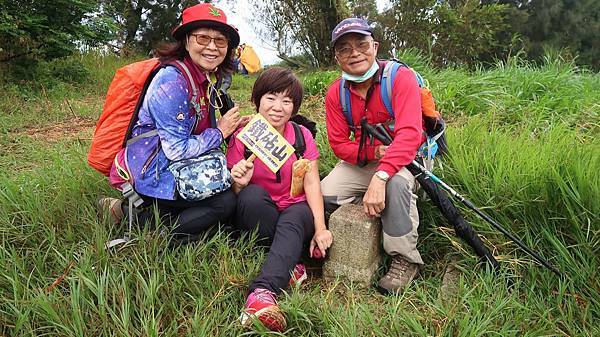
{"x": 382, "y": 175}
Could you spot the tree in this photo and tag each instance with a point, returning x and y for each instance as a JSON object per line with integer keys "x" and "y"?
{"x": 161, "y": 18}
{"x": 127, "y": 17}
{"x": 304, "y": 25}
{"x": 409, "y": 24}
{"x": 466, "y": 30}
{"x": 451, "y": 32}
{"x": 39, "y": 29}
{"x": 564, "y": 24}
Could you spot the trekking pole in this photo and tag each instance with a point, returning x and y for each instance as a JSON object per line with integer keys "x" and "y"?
{"x": 386, "y": 140}
{"x": 486, "y": 217}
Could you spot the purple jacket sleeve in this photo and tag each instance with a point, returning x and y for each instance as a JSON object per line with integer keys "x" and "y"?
{"x": 168, "y": 104}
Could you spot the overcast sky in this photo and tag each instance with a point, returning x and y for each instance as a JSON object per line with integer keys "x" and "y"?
{"x": 240, "y": 16}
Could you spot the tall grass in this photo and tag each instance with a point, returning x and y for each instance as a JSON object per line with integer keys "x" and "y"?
{"x": 524, "y": 148}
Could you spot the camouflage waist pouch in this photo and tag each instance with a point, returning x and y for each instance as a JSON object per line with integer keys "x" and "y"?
{"x": 201, "y": 177}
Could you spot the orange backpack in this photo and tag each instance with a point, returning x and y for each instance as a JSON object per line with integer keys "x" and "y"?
{"x": 123, "y": 101}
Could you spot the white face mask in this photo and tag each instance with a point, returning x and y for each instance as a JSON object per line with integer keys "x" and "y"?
{"x": 363, "y": 77}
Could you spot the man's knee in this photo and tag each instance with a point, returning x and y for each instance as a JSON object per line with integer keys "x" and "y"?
{"x": 399, "y": 184}
{"x": 328, "y": 186}
{"x": 400, "y": 215}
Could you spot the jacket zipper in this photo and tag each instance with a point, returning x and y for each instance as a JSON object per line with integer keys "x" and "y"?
{"x": 151, "y": 158}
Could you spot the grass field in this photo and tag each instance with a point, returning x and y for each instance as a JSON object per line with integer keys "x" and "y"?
{"x": 525, "y": 147}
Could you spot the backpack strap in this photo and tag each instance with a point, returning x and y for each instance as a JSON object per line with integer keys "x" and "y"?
{"x": 194, "y": 100}
{"x": 299, "y": 143}
{"x": 184, "y": 69}
{"x": 136, "y": 110}
{"x": 387, "y": 81}
{"x": 346, "y": 106}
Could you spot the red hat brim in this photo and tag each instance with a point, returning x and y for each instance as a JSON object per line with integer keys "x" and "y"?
{"x": 234, "y": 37}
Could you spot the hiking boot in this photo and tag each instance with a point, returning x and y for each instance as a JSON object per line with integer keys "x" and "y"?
{"x": 400, "y": 274}
{"x": 111, "y": 206}
{"x": 298, "y": 275}
{"x": 261, "y": 305}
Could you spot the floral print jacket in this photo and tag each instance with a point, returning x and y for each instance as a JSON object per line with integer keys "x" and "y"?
{"x": 182, "y": 133}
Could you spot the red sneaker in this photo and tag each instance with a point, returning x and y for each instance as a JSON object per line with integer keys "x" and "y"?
{"x": 298, "y": 275}
{"x": 261, "y": 305}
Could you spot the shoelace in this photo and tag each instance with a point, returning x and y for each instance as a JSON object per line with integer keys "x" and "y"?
{"x": 265, "y": 296}
{"x": 398, "y": 267}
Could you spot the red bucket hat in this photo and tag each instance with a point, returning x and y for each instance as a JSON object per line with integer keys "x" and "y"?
{"x": 206, "y": 15}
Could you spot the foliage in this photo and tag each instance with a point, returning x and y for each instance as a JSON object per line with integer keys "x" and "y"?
{"x": 452, "y": 32}
{"x": 567, "y": 25}
{"x": 47, "y": 29}
{"x": 316, "y": 83}
{"x": 46, "y": 73}
{"x": 574, "y": 25}
{"x": 143, "y": 23}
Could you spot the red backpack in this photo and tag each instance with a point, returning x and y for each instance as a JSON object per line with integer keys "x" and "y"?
{"x": 121, "y": 107}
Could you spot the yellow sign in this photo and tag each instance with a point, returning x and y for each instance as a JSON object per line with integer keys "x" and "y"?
{"x": 266, "y": 143}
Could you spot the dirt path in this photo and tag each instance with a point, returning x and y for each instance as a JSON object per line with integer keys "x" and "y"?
{"x": 69, "y": 129}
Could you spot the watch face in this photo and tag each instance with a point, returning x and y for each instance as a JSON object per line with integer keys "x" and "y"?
{"x": 382, "y": 175}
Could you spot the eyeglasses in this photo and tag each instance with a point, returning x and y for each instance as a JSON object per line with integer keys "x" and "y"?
{"x": 204, "y": 40}
{"x": 346, "y": 51}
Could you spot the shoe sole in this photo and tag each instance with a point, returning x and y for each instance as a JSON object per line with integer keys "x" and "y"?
{"x": 271, "y": 317}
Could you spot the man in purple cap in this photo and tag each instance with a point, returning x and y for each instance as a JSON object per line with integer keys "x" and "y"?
{"x": 369, "y": 171}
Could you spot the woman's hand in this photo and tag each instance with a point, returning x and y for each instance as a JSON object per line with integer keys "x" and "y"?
{"x": 242, "y": 172}
{"x": 230, "y": 121}
{"x": 322, "y": 239}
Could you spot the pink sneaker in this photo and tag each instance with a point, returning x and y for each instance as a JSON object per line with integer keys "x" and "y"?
{"x": 261, "y": 305}
{"x": 298, "y": 275}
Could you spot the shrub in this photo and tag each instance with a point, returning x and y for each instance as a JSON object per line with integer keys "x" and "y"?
{"x": 69, "y": 69}
{"x": 316, "y": 83}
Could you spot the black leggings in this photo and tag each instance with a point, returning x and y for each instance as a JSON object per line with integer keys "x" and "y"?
{"x": 286, "y": 233}
{"x": 188, "y": 217}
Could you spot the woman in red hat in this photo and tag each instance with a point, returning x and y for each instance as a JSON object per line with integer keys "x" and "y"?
{"x": 177, "y": 123}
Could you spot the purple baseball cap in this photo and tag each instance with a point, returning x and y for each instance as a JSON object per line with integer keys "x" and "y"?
{"x": 350, "y": 25}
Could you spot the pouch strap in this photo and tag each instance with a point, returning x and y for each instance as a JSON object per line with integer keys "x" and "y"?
{"x": 134, "y": 200}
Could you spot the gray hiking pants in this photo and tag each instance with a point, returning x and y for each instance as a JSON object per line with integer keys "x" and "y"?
{"x": 347, "y": 183}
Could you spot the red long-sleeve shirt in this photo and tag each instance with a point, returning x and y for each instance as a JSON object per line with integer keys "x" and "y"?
{"x": 408, "y": 123}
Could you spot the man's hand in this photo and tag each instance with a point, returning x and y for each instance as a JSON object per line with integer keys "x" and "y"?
{"x": 374, "y": 199}
{"x": 380, "y": 151}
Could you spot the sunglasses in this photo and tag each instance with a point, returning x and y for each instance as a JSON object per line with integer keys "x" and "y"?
{"x": 204, "y": 40}
{"x": 346, "y": 50}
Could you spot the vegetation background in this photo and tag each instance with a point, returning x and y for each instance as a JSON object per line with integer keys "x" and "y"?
{"x": 525, "y": 147}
